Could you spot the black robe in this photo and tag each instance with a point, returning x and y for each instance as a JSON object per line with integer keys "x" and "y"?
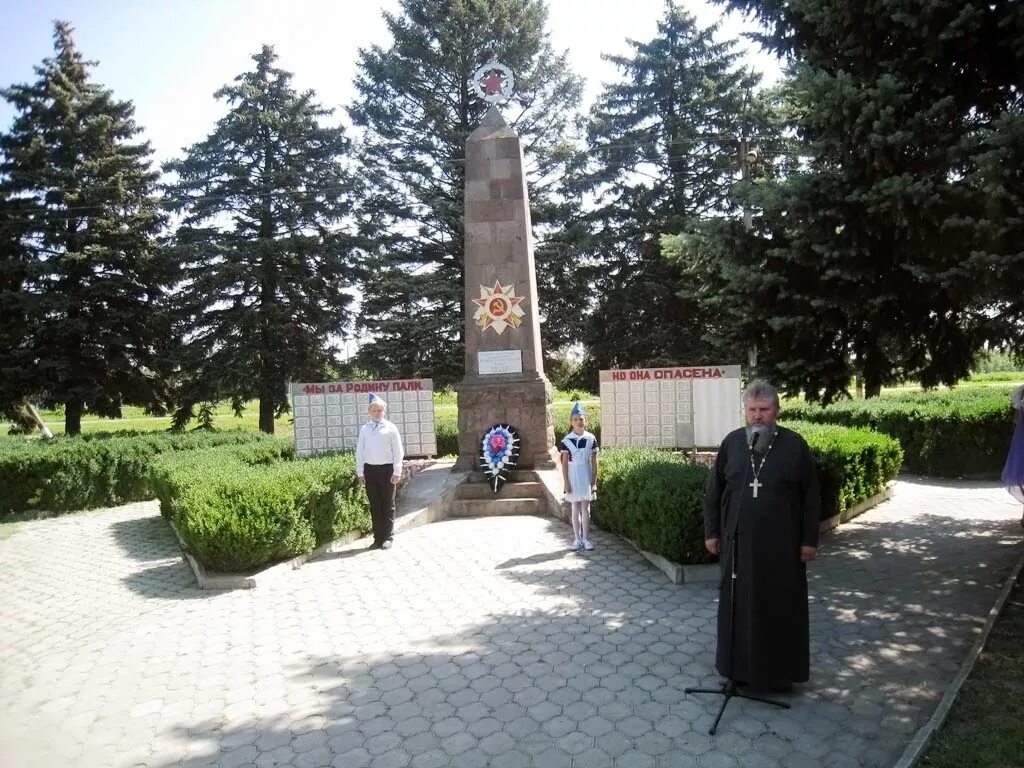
{"x": 772, "y": 646}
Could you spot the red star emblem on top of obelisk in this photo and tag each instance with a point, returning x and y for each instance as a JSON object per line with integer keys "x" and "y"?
{"x": 492, "y": 82}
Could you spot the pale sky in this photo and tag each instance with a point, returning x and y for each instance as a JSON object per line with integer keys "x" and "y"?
{"x": 169, "y": 57}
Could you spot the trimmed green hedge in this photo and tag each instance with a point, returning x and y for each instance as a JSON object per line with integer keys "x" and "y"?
{"x": 853, "y": 464}
{"x": 655, "y": 498}
{"x": 237, "y": 509}
{"x": 96, "y": 470}
{"x": 950, "y": 433}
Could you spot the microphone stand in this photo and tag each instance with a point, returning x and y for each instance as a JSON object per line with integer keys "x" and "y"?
{"x": 730, "y": 690}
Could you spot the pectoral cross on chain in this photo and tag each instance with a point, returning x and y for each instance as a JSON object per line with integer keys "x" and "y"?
{"x": 756, "y": 484}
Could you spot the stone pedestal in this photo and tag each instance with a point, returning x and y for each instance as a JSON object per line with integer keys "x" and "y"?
{"x": 522, "y": 401}
{"x": 504, "y": 381}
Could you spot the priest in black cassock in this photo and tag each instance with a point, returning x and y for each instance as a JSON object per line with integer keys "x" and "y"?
{"x": 762, "y": 509}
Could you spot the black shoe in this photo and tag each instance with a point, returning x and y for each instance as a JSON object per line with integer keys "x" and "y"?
{"x": 385, "y": 544}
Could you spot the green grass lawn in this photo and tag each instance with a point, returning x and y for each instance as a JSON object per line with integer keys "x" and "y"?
{"x": 985, "y": 728}
{"x": 445, "y": 401}
{"x": 135, "y": 419}
{"x": 997, "y": 377}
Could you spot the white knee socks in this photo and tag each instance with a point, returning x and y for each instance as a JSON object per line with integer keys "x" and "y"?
{"x": 581, "y": 520}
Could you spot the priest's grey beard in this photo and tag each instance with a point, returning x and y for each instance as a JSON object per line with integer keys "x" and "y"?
{"x": 764, "y": 437}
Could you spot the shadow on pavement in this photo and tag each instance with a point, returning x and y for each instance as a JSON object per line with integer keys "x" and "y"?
{"x": 170, "y": 581}
{"x": 502, "y": 692}
{"x": 146, "y": 538}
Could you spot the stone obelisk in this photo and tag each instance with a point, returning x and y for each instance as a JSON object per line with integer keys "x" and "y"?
{"x": 504, "y": 380}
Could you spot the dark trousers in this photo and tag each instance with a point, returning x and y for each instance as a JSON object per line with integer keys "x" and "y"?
{"x": 381, "y": 494}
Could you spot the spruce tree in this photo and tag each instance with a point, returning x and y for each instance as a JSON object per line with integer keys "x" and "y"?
{"x": 265, "y": 246}
{"x": 416, "y": 109}
{"x": 16, "y": 337}
{"x": 79, "y": 221}
{"x": 882, "y": 255}
{"x": 663, "y": 144}
{"x": 998, "y": 262}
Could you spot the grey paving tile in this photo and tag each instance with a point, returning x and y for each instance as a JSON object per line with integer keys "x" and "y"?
{"x": 314, "y": 758}
{"x": 551, "y": 758}
{"x": 433, "y": 758}
{"x": 614, "y": 743}
{"x": 634, "y": 759}
{"x": 511, "y": 656}
{"x": 718, "y": 760}
{"x": 459, "y": 742}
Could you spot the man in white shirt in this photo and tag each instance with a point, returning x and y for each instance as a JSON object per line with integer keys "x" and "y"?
{"x": 379, "y": 456}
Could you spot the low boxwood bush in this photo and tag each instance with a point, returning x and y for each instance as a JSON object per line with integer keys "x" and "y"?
{"x": 96, "y": 470}
{"x": 655, "y": 498}
{"x": 240, "y": 508}
{"x": 853, "y": 464}
{"x": 948, "y": 433}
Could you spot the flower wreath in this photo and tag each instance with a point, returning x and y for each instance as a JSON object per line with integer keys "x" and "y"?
{"x": 499, "y": 453}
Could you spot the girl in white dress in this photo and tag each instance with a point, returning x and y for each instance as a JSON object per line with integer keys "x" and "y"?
{"x": 579, "y": 471}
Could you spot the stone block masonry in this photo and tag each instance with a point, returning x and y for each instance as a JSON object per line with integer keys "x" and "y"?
{"x": 504, "y": 376}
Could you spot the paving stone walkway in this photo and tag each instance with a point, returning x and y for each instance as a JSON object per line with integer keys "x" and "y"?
{"x": 475, "y": 643}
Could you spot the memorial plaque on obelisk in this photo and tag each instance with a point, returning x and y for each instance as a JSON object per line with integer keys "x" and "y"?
{"x": 504, "y": 380}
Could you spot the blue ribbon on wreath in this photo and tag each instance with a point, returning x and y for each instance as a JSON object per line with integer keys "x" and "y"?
{"x": 499, "y": 453}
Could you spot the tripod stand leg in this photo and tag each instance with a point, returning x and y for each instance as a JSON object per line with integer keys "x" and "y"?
{"x": 721, "y": 711}
{"x": 763, "y": 700}
{"x": 729, "y": 691}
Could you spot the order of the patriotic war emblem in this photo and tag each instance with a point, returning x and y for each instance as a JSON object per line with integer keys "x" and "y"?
{"x": 498, "y": 308}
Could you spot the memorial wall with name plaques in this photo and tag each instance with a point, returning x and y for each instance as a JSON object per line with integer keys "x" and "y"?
{"x": 670, "y": 407}
{"x": 328, "y": 415}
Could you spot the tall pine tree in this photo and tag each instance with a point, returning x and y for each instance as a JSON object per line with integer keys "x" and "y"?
{"x": 15, "y": 304}
{"x": 265, "y": 203}
{"x": 664, "y": 144}
{"x": 79, "y": 223}
{"x": 878, "y": 256}
{"x": 998, "y": 262}
{"x": 416, "y": 109}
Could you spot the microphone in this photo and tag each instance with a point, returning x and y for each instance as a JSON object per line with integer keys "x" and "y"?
{"x": 755, "y": 434}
